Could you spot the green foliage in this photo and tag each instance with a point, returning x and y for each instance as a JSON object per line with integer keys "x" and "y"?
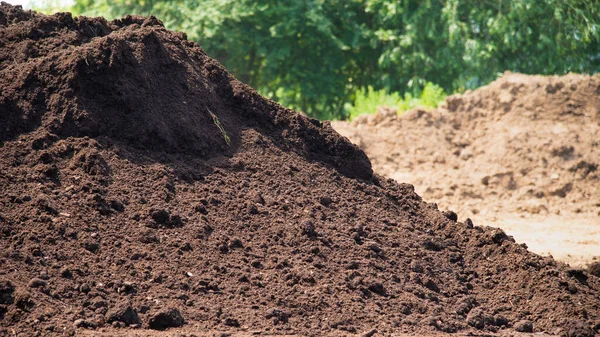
{"x": 367, "y": 101}
{"x": 430, "y": 97}
{"x": 51, "y": 6}
{"x": 314, "y": 55}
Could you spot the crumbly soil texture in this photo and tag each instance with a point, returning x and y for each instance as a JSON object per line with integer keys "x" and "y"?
{"x": 143, "y": 187}
{"x": 522, "y": 153}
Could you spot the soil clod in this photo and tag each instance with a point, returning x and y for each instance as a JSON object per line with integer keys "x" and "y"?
{"x": 524, "y": 326}
{"x": 123, "y": 312}
{"x": 166, "y": 318}
{"x": 36, "y": 283}
{"x": 594, "y": 269}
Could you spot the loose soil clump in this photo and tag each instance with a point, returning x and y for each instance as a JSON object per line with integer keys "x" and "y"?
{"x": 145, "y": 187}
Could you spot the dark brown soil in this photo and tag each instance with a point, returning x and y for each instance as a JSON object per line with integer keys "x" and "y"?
{"x": 140, "y": 182}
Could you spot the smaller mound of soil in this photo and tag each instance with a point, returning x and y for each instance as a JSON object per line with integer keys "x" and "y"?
{"x": 523, "y": 144}
{"x": 522, "y": 153}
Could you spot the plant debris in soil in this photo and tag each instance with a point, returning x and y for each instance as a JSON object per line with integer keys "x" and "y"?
{"x": 123, "y": 206}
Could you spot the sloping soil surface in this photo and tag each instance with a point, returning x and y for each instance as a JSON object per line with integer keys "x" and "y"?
{"x": 518, "y": 153}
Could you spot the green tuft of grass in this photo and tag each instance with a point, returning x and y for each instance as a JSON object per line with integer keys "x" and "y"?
{"x": 367, "y": 101}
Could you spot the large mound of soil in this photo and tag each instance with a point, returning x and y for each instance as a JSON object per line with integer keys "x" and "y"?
{"x": 144, "y": 187}
{"x": 523, "y": 145}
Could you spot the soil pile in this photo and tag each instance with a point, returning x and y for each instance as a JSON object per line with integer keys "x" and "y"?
{"x": 526, "y": 145}
{"x": 144, "y": 187}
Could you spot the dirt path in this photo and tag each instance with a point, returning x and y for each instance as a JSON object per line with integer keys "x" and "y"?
{"x": 569, "y": 237}
{"x": 573, "y": 239}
